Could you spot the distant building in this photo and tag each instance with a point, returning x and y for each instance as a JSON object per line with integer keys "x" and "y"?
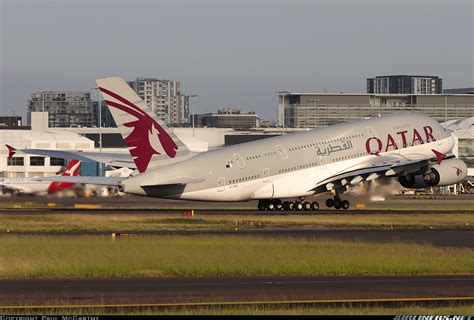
{"x": 65, "y": 108}
{"x": 459, "y": 91}
{"x": 405, "y": 84}
{"x": 463, "y": 129}
{"x": 106, "y": 117}
{"x": 11, "y": 122}
{"x": 25, "y": 165}
{"x": 228, "y": 118}
{"x": 309, "y": 110}
{"x": 164, "y": 98}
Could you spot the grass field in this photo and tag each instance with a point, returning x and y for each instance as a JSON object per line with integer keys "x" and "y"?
{"x": 73, "y": 222}
{"x": 140, "y": 256}
{"x": 454, "y": 309}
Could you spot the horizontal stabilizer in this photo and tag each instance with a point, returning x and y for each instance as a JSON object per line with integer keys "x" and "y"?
{"x": 114, "y": 159}
{"x": 176, "y": 181}
{"x": 11, "y": 151}
{"x": 103, "y": 181}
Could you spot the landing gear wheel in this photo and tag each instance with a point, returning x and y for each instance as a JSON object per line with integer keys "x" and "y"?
{"x": 278, "y": 204}
{"x": 298, "y": 206}
{"x": 330, "y": 203}
{"x": 345, "y": 204}
{"x": 314, "y": 206}
{"x": 288, "y": 206}
{"x": 306, "y": 206}
{"x": 261, "y": 205}
{"x": 271, "y": 205}
{"x": 337, "y": 203}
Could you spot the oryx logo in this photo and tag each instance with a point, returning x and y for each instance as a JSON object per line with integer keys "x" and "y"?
{"x": 458, "y": 171}
{"x": 147, "y": 137}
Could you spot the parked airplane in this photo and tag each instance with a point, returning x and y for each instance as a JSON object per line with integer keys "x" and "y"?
{"x": 31, "y": 185}
{"x": 414, "y": 148}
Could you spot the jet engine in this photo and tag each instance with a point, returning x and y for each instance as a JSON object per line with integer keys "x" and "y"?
{"x": 449, "y": 172}
{"x": 411, "y": 181}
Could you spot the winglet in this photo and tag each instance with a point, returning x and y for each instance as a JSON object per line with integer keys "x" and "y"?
{"x": 11, "y": 151}
{"x": 439, "y": 156}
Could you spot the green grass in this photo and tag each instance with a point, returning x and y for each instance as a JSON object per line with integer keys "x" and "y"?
{"x": 139, "y": 256}
{"x": 137, "y": 222}
{"x": 459, "y": 309}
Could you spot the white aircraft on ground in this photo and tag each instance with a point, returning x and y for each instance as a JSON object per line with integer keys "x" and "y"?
{"x": 32, "y": 185}
{"x": 413, "y": 148}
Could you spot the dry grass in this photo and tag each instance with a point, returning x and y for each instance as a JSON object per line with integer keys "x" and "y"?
{"x": 74, "y": 222}
{"x": 96, "y": 257}
{"x": 460, "y": 309}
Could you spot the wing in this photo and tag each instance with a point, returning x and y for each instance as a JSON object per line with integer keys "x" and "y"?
{"x": 113, "y": 159}
{"x": 113, "y": 181}
{"x": 378, "y": 167}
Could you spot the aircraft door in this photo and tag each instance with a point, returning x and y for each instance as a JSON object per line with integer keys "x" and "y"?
{"x": 240, "y": 161}
{"x": 371, "y": 131}
{"x": 322, "y": 162}
{"x": 266, "y": 175}
{"x": 221, "y": 184}
{"x": 282, "y": 151}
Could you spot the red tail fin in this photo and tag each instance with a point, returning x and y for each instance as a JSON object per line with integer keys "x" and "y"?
{"x": 11, "y": 151}
{"x": 71, "y": 170}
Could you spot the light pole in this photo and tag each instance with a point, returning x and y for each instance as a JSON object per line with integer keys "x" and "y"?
{"x": 192, "y": 96}
{"x": 100, "y": 126}
{"x": 283, "y": 93}
{"x": 42, "y": 96}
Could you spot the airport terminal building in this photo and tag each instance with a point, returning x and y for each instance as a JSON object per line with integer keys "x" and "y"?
{"x": 23, "y": 165}
{"x": 311, "y": 110}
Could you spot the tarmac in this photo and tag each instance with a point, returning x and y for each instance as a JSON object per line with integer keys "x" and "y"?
{"x": 176, "y": 291}
{"x": 358, "y": 204}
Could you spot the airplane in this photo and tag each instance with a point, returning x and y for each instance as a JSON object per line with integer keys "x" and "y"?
{"x": 30, "y": 185}
{"x": 411, "y": 147}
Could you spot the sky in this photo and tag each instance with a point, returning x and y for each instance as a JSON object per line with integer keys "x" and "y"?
{"x": 230, "y": 53}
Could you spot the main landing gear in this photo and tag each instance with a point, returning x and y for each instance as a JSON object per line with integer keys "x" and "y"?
{"x": 278, "y": 205}
{"x": 337, "y": 203}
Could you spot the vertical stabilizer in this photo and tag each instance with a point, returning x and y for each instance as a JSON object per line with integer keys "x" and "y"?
{"x": 72, "y": 170}
{"x": 149, "y": 141}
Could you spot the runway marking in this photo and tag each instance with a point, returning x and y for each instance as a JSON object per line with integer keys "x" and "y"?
{"x": 328, "y": 281}
{"x": 236, "y": 303}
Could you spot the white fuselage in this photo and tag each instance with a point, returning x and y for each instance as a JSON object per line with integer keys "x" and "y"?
{"x": 294, "y": 165}
{"x": 24, "y": 185}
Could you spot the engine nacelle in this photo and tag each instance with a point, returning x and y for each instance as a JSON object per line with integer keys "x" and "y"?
{"x": 449, "y": 172}
{"x": 412, "y": 182}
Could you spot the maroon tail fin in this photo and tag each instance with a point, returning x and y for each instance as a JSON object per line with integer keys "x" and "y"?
{"x": 11, "y": 151}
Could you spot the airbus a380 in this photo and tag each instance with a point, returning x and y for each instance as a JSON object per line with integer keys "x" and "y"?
{"x": 414, "y": 148}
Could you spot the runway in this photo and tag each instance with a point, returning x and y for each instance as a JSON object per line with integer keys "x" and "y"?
{"x": 436, "y": 237}
{"x": 230, "y": 289}
{"x": 230, "y": 212}
{"x": 462, "y": 203}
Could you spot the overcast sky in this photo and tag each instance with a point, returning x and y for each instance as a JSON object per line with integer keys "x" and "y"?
{"x": 231, "y": 53}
